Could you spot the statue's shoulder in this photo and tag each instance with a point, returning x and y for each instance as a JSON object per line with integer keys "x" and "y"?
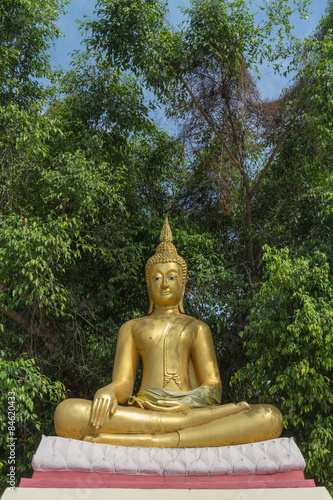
{"x": 129, "y": 325}
{"x": 197, "y": 323}
{"x": 134, "y": 323}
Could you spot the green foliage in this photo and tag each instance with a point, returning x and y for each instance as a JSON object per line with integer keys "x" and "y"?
{"x": 50, "y": 207}
{"x": 134, "y": 34}
{"x": 289, "y": 350}
{"x": 26, "y": 399}
{"x": 26, "y": 31}
{"x": 100, "y": 109}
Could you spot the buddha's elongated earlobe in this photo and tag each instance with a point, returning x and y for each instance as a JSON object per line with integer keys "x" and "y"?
{"x": 181, "y": 304}
{"x": 151, "y": 305}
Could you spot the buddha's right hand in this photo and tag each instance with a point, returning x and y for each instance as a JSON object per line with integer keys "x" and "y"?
{"x": 105, "y": 403}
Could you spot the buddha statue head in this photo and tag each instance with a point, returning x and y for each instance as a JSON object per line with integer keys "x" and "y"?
{"x": 166, "y": 252}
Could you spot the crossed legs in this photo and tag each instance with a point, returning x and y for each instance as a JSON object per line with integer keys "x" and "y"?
{"x": 211, "y": 426}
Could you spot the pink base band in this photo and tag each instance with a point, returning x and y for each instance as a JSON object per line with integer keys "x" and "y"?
{"x": 72, "y": 479}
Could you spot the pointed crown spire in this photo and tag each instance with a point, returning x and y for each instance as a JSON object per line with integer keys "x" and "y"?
{"x": 166, "y": 234}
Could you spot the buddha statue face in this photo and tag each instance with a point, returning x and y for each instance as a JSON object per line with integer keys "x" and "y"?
{"x": 166, "y": 286}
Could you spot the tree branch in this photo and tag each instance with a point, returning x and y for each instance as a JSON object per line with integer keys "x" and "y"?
{"x": 44, "y": 331}
{"x": 275, "y": 217}
{"x": 271, "y": 158}
{"x": 241, "y": 163}
{"x": 212, "y": 126}
{"x": 24, "y": 323}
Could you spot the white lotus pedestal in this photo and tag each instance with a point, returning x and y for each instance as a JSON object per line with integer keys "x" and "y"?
{"x": 66, "y": 469}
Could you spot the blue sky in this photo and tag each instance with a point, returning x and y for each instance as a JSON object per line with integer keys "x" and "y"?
{"x": 270, "y": 84}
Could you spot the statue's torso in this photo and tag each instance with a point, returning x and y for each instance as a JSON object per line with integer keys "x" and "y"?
{"x": 165, "y": 352}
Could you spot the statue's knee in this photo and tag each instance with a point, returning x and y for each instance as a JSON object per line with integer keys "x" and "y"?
{"x": 60, "y": 417}
{"x": 273, "y": 420}
{"x": 63, "y": 417}
{"x": 71, "y": 418}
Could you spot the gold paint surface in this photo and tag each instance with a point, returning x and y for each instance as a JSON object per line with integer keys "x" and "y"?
{"x": 178, "y": 402}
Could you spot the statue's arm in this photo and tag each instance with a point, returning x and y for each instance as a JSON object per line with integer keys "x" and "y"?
{"x": 124, "y": 372}
{"x": 125, "y": 363}
{"x": 204, "y": 358}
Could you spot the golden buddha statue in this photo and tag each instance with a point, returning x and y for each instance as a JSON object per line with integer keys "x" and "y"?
{"x": 178, "y": 404}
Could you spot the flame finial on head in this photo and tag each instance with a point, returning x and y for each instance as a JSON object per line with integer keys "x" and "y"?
{"x": 166, "y": 234}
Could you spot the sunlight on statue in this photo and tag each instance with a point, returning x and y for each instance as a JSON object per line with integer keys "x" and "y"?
{"x": 178, "y": 404}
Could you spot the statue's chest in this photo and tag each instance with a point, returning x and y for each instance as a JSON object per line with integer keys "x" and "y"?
{"x": 156, "y": 335}
{"x": 149, "y": 334}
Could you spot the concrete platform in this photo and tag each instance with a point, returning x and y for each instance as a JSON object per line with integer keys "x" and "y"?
{"x": 139, "y": 494}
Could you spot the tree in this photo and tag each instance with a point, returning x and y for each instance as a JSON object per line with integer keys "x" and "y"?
{"x": 202, "y": 72}
{"x": 289, "y": 352}
{"x": 27, "y": 29}
{"x": 288, "y": 338}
